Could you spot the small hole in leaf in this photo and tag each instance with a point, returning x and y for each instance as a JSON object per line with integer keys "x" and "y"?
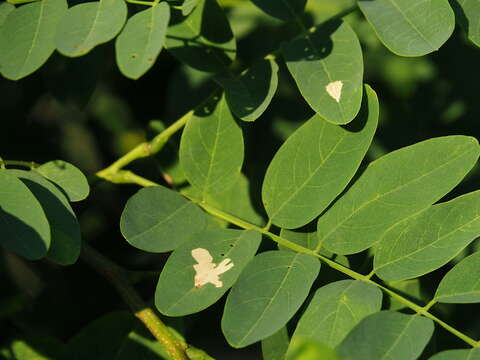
{"x": 231, "y": 245}
{"x": 222, "y": 254}
{"x": 134, "y": 56}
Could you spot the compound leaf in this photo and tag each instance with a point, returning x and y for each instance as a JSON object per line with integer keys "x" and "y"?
{"x": 467, "y": 15}
{"x": 249, "y": 94}
{"x": 393, "y": 188}
{"x": 211, "y": 148}
{"x": 179, "y": 290}
{"x": 157, "y": 219}
{"x": 327, "y": 65}
{"x": 65, "y": 242}
{"x": 141, "y": 40}
{"x": 89, "y": 24}
{"x": 335, "y": 309}
{"x": 203, "y": 39}
{"x": 387, "y": 335}
{"x": 66, "y": 176}
{"x": 429, "y": 240}
{"x": 460, "y": 354}
{"x": 268, "y": 293}
{"x": 315, "y": 164}
{"x": 25, "y": 228}
{"x": 410, "y": 27}
{"x": 461, "y": 284}
{"x": 282, "y": 9}
{"x": 27, "y": 37}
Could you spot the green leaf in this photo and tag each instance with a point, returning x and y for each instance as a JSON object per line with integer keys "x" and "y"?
{"x": 467, "y": 16}
{"x": 203, "y": 39}
{"x": 282, "y": 9}
{"x": 89, "y": 24}
{"x": 460, "y": 354}
{"x": 304, "y": 349}
{"x": 429, "y": 240}
{"x": 409, "y": 288}
{"x": 327, "y": 65}
{"x": 65, "y": 242}
{"x": 66, "y": 176}
{"x": 101, "y": 339}
{"x": 387, "y": 335}
{"x": 268, "y": 293}
{"x": 179, "y": 291}
{"x": 335, "y": 309}
{"x": 27, "y": 37}
{"x": 5, "y": 10}
{"x": 157, "y": 219}
{"x": 461, "y": 285}
{"x": 25, "y": 228}
{"x": 275, "y": 346}
{"x": 141, "y": 40}
{"x": 211, "y": 148}
{"x": 315, "y": 164}
{"x": 249, "y": 94}
{"x": 393, "y": 188}
{"x": 410, "y": 27}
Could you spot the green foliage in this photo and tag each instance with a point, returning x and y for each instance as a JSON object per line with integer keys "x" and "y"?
{"x": 410, "y": 27}
{"x": 140, "y": 42}
{"x": 274, "y": 170}
{"x": 25, "y": 51}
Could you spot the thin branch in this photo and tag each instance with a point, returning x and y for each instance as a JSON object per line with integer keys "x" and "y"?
{"x": 118, "y": 278}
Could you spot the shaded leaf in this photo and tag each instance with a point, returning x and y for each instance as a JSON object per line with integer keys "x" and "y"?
{"x": 68, "y": 177}
{"x": 335, "y": 309}
{"x": 89, "y": 24}
{"x": 409, "y": 288}
{"x": 65, "y": 234}
{"x": 282, "y": 9}
{"x": 139, "y": 344}
{"x": 36, "y": 348}
{"x": 460, "y": 354}
{"x": 387, "y": 335}
{"x": 327, "y": 65}
{"x": 467, "y": 15}
{"x": 211, "y": 149}
{"x": 268, "y": 293}
{"x": 461, "y": 284}
{"x": 393, "y": 188}
{"x": 141, "y": 40}
{"x": 25, "y": 228}
{"x": 249, "y": 94}
{"x": 315, "y": 164}
{"x": 27, "y": 37}
{"x": 188, "y": 6}
{"x": 100, "y": 339}
{"x": 177, "y": 293}
{"x": 275, "y": 346}
{"x": 410, "y": 27}
{"x": 429, "y": 240}
{"x": 203, "y": 39}
{"x": 157, "y": 219}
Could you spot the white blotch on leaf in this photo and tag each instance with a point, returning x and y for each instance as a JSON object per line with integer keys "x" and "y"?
{"x": 334, "y": 89}
{"x": 206, "y": 270}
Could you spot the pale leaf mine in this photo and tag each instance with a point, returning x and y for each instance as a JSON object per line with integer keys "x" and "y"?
{"x": 206, "y": 270}
{"x": 334, "y": 89}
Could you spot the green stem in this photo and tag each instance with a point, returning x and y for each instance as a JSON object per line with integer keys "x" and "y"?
{"x": 144, "y": 149}
{"x": 118, "y": 277}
